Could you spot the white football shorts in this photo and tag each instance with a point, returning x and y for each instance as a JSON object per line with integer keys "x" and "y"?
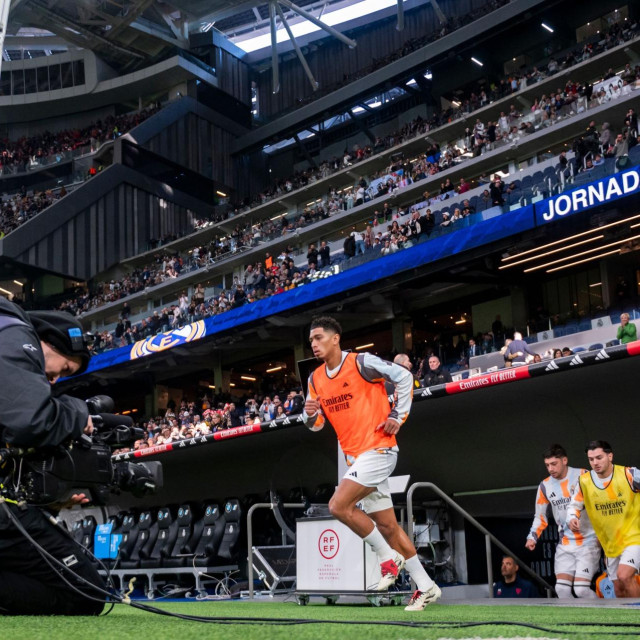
{"x": 372, "y": 469}
{"x": 630, "y": 556}
{"x": 580, "y": 562}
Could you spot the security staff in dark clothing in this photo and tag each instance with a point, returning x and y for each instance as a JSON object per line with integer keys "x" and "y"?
{"x": 435, "y": 374}
{"x": 36, "y": 349}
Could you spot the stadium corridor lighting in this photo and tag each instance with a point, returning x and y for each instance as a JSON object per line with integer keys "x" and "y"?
{"x": 221, "y": 194}
{"x": 212, "y": 386}
{"x": 364, "y": 346}
{"x": 18, "y": 283}
{"x": 249, "y": 378}
{"x": 582, "y": 253}
{"x": 273, "y": 369}
{"x": 577, "y": 235}
{"x": 5, "y": 291}
{"x": 573, "y": 264}
{"x": 547, "y": 27}
{"x": 548, "y": 253}
{"x": 480, "y": 64}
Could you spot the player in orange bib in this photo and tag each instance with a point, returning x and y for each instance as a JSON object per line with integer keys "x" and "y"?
{"x": 348, "y": 390}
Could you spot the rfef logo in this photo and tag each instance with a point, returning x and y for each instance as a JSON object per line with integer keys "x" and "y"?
{"x": 328, "y": 544}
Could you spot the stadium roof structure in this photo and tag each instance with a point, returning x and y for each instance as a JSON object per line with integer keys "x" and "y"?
{"x": 128, "y": 34}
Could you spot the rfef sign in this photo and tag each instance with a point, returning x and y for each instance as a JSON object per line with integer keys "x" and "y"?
{"x": 599, "y": 192}
{"x": 329, "y": 544}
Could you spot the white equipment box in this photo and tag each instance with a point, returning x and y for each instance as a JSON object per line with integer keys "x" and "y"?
{"x": 331, "y": 558}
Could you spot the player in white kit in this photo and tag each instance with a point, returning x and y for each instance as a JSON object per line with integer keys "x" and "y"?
{"x": 577, "y": 554}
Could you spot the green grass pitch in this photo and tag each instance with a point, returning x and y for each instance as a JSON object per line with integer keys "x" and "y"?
{"x": 126, "y": 623}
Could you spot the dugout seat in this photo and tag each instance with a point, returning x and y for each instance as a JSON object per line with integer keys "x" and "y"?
{"x": 207, "y": 535}
{"x": 151, "y": 555}
{"x": 147, "y": 533}
{"x": 129, "y": 530}
{"x": 182, "y": 549}
{"x": 76, "y": 531}
{"x": 230, "y": 543}
{"x": 88, "y": 530}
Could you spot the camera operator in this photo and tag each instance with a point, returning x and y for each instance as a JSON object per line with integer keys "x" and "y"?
{"x": 36, "y": 349}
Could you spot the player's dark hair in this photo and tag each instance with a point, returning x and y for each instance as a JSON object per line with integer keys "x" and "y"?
{"x": 327, "y": 323}
{"x": 554, "y": 451}
{"x": 598, "y": 444}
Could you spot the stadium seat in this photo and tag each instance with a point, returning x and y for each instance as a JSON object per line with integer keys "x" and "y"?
{"x": 232, "y": 528}
{"x": 76, "y": 531}
{"x": 570, "y": 328}
{"x": 531, "y": 339}
{"x": 184, "y": 543}
{"x": 88, "y": 530}
{"x": 147, "y": 532}
{"x": 207, "y": 535}
{"x": 559, "y": 331}
{"x": 151, "y": 555}
{"x": 596, "y": 347}
{"x": 578, "y": 349}
{"x": 584, "y": 325}
{"x": 129, "y": 531}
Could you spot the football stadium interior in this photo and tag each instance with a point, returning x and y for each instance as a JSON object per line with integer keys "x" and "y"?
{"x": 196, "y": 181}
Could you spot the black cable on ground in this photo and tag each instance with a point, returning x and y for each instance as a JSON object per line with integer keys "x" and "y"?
{"x": 112, "y": 599}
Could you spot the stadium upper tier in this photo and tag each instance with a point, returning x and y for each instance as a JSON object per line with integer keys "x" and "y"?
{"x": 451, "y": 233}
{"x": 34, "y": 152}
{"x": 253, "y": 241}
{"x": 442, "y": 127}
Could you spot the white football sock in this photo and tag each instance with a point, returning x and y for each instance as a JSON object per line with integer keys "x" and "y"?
{"x": 377, "y": 542}
{"x": 583, "y": 590}
{"x": 418, "y": 574}
{"x": 563, "y": 589}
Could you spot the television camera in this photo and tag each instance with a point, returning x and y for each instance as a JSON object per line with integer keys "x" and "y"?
{"x": 53, "y": 474}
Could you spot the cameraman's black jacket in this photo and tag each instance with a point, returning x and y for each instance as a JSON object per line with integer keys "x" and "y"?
{"x": 29, "y": 414}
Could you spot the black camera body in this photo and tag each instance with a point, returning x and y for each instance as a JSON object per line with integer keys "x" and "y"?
{"x": 53, "y": 475}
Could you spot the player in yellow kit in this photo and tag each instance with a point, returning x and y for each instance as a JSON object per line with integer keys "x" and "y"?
{"x": 609, "y": 494}
{"x": 348, "y": 389}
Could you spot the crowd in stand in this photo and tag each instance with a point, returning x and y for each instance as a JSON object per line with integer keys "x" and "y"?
{"x": 21, "y": 207}
{"x": 481, "y": 137}
{"x": 391, "y": 230}
{"x": 509, "y": 127}
{"x": 206, "y": 416}
{"x": 28, "y": 151}
{"x": 191, "y": 420}
{"x": 547, "y": 108}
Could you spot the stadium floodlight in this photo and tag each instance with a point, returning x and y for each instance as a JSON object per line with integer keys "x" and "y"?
{"x": 480, "y": 64}
{"x": 547, "y": 27}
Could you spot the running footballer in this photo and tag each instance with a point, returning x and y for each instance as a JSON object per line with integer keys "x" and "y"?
{"x": 348, "y": 390}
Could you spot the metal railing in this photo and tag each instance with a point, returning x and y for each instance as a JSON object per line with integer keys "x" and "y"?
{"x": 488, "y": 536}
{"x": 261, "y": 505}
